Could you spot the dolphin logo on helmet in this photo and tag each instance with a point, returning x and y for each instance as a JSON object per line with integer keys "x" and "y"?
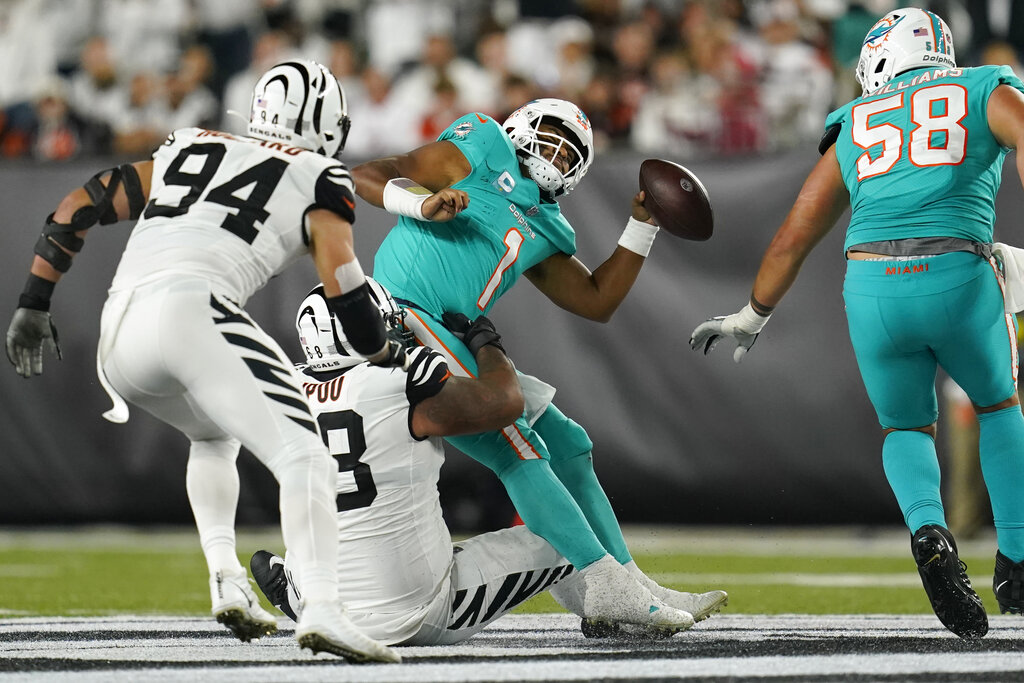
{"x": 902, "y": 40}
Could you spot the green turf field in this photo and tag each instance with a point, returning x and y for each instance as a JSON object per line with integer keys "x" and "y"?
{"x": 140, "y": 571}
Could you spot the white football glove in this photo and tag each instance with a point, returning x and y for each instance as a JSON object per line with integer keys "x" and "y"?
{"x": 743, "y": 327}
{"x": 30, "y": 332}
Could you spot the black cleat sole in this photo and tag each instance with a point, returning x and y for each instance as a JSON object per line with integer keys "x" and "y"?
{"x": 317, "y": 644}
{"x": 244, "y": 628}
{"x": 945, "y": 581}
{"x": 962, "y": 613}
{"x": 599, "y": 628}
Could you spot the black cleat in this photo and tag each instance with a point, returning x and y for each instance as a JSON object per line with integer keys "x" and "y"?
{"x": 945, "y": 581}
{"x": 1008, "y": 585}
{"x": 268, "y": 570}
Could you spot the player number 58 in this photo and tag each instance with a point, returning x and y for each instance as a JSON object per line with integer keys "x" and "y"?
{"x": 937, "y": 139}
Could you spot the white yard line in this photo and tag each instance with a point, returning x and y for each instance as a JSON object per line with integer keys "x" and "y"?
{"x": 908, "y": 579}
{"x": 854, "y": 541}
{"x": 518, "y": 647}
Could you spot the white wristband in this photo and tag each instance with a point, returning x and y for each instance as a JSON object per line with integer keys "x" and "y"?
{"x": 750, "y": 321}
{"x": 638, "y": 236}
{"x": 405, "y": 197}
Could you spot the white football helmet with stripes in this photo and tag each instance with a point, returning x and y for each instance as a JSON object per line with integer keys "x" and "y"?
{"x": 902, "y": 40}
{"x": 522, "y": 126}
{"x": 323, "y": 339}
{"x": 302, "y": 104}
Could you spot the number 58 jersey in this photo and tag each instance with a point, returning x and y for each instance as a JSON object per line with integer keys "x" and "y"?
{"x": 230, "y": 210}
{"x": 918, "y": 158}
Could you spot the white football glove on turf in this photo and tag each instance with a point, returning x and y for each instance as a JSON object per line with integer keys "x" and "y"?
{"x": 743, "y": 327}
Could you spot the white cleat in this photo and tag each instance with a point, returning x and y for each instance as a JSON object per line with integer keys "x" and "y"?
{"x": 700, "y": 605}
{"x": 607, "y": 597}
{"x": 236, "y": 606}
{"x": 324, "y": 627}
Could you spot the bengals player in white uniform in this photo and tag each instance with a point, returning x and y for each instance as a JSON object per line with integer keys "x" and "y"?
{"x": 400, "y": 577}
{"x": 218, "y": 216}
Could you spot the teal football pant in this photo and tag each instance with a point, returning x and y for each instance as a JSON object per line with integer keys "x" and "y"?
{"x": 547, "y": 468}
{"x": 906, "y": 319}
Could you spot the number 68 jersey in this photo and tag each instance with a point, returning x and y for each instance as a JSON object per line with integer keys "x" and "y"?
{"x": 230, "y": 210}
{"x": 918, "y": 157}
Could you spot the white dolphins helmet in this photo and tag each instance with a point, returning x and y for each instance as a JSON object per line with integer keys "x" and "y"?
{"x": 522, "y": 126}
{"x": 322, "y": 338}
{"x": 300, "y": 103}
{"x": 904, "y": 39}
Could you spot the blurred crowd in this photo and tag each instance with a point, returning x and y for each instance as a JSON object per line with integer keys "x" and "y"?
{"x": 683, "y": 78}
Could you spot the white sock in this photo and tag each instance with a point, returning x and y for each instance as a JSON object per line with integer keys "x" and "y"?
{"x": 211, "y": 480}
{"x": 635, "y": 572}
{"x": 569, "y": 591}
{"x": 309, "y": 522}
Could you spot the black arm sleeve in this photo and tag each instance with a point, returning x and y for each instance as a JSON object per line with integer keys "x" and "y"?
{"x": 360, "y": 319}
{"x": 829, "y": 138}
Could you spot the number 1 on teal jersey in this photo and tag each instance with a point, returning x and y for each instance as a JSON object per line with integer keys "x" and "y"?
{"x": 513, "y": 241}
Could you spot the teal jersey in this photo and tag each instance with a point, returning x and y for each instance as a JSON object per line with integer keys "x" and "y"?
{"x": 467, "y": 263}
{"x": 918, "y": 157}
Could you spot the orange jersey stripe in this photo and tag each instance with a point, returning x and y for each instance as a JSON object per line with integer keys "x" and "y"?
{"x": 435, "y": 342}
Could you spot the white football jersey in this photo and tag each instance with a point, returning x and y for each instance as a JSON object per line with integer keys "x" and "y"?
{"x": 395, "y": 552}
{"x": 230, "y": 210}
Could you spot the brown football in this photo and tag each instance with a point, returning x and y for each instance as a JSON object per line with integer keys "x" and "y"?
{"x": 676, "y": 199}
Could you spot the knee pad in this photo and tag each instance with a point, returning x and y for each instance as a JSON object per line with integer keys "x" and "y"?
{"x": 564, "y": 437}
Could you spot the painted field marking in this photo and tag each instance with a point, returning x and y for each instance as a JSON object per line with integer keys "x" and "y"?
{"x": 901, "y": 580}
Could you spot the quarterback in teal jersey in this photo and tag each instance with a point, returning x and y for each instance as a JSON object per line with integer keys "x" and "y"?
{"x": 918, "y": 159}
{"x": 477, "y": 210}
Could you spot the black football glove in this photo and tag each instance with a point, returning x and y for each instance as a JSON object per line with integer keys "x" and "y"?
{"x": 392, "y": 356}
{"x": 30, "y": 332}
{"x": 474, "y": 334}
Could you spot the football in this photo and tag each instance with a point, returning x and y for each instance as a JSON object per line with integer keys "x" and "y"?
{"x": 676, "y": 199}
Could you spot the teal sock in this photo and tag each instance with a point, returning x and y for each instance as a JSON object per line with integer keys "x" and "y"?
{"x": 548, "y": 510}
{"x": 912, "y": 468}
{"x": 1001, "y": 447}
{"x": 578, "y": 476}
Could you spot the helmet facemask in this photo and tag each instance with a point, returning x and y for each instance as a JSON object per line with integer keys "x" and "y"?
{"x": 536, "y": 148}
{"x": 323, "y": 340}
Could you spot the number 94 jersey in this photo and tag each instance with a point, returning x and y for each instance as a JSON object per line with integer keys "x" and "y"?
{"x": 918, "y": 157}
{"x": 230, "y": 210}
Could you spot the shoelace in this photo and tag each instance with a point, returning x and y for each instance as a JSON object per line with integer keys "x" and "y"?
{"x": 963, "y": 574}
